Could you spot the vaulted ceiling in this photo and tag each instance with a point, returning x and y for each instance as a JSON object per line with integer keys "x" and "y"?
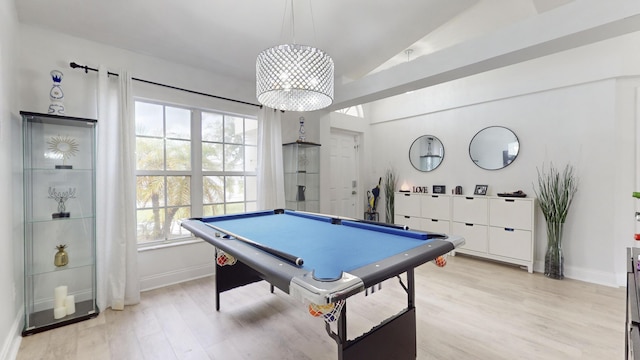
{"x": 367, "y": 39}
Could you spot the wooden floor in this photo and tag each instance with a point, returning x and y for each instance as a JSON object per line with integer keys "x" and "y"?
{"x": 471, "y": 309}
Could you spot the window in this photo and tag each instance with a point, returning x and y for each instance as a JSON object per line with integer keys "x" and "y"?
{"x": 191, "y": 162}
{"x": 353, "y": 111}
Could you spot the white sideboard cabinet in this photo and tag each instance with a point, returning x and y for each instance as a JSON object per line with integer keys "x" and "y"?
{"x": 426, "y": 212}
{"x": 497, "y": 228}
{"x": 511, "y": 229}
{"x": 470, "y": 220}
{"x": 407, "y": 210}
{"x": 435, "y": 210}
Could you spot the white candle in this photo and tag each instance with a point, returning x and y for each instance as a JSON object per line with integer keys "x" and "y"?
{"x": 70, "y": 304}
{"x": 59, "y": 312}
{"x": 60, "y": 294}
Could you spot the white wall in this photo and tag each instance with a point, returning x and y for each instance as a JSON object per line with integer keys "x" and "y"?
{"x": 11, "y": 182}
{"x": 43, "y": 50}
{"x": 575, "y": 107}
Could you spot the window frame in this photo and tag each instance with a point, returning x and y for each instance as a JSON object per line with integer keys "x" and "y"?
{"x": 197, "y": 174}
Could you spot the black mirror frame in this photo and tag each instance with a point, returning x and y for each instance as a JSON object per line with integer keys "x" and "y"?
{"x": 441, "y": 157}
{"x": 510, "y": 161}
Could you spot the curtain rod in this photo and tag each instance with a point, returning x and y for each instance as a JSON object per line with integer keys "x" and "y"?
{"x": 86, "y": 68}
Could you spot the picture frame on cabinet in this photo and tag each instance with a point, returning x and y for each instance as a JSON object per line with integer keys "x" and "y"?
{"x": 439, "y": 189}
{"x": 481, "y": 190}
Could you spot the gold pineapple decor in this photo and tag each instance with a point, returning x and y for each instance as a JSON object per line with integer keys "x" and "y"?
{"x": 61, "y": 258}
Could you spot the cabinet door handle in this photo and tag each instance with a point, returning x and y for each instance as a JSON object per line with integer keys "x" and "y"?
{"x": 508, "y": 229}
{"x": 434, "y": 196}
{"x": 468, "y": 198}
{"x": 407, "y": 217}
{"x": 467, "y": 224}
{"x": 434, "y": 220}
{"x": 509, "y": 200}
{"x": 406, "y": 194}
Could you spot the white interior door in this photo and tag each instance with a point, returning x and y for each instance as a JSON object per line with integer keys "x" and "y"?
{"x": 343, "y": 189}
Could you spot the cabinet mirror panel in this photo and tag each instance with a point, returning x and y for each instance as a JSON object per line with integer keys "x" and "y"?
{"x": 494, "y": 148}
{"x": 426, "y": 153}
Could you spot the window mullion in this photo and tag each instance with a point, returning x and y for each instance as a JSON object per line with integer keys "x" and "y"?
{"x": 196, "y": 164}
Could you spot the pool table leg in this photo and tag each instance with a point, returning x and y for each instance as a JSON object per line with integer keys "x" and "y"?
{"x": 411, "y": 291}
{"x": 342, "y": 326}
{"x": 394, "y": 338}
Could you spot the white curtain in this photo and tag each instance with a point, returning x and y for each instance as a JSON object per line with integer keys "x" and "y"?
{"x": 117, "y": 265}
{"x": 270, "y": 169}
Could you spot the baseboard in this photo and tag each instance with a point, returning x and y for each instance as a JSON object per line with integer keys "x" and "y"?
{"x": 174, "y": 277}
{"x": 582, "y": 274}
{"x": 595, "y": 277}
{"x": 11, "y": 344}
{"x": 621, "y": 279}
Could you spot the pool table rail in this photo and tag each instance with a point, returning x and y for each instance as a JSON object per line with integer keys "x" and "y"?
{"x": 308, "y": 289}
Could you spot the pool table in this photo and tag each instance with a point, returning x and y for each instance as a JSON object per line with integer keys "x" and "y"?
{"x": 323, "y": 259}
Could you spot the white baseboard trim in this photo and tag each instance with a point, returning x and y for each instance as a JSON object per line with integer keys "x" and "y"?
{"x": 586, "y": 275}
{"x": 621, "y": 279}
{"x": 11, "y": 344}
{"x": 174, "y": 277}
{"x": 595, "y": 277}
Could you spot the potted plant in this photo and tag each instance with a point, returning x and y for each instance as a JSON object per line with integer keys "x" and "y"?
{"x": 555, "y": 193}
{"x": 390, "y": 183}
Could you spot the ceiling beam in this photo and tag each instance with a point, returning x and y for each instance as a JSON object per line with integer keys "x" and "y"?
{"x": 579, "y": 23}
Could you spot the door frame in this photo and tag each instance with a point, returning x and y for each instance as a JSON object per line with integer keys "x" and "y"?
{"x": 357, "y": 136}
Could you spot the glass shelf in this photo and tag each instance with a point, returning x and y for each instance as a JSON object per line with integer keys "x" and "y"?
{"x": 75, "y": 169}
{"x": 70, "y": 218}
{"x": 50, "y": 141}
{"x": 43, "y": 269}
{"x": 302, "y": 176}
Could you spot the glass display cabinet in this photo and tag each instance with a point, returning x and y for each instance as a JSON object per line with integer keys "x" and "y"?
{"x": 302, "y": 176}
{"x": 59, "y": 220}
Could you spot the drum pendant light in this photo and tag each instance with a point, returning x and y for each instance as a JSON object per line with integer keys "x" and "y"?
{"x": 294, "y": 77}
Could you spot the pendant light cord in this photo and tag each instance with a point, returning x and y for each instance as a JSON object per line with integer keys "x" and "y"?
{"x": 293, "y": 24}
{"x": 313, "y": 24}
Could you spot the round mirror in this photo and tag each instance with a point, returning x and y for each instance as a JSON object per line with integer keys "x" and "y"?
{"x": 426, "y": 153}
{"x": 494, "y": 148}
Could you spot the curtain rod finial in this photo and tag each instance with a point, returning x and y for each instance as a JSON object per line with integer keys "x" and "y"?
{"x": 74, "y": 65}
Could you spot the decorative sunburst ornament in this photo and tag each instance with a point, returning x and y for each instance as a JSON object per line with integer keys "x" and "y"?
{"x": 63, "y": 147}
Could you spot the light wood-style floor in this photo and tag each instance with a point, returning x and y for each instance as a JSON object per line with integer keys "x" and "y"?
{"x": 470, "y": 309}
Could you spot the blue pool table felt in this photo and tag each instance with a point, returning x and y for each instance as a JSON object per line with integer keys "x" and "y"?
{"x": 327, "y": 249}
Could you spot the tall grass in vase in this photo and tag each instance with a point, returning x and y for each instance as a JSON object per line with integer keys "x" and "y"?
{"x": 555, "y": 193}
{"x": 390, "y": 182}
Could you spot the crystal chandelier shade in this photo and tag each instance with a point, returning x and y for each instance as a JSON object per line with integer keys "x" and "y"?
{"x": 294, "y": 77}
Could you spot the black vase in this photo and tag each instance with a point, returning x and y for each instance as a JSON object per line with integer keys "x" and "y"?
{"x": 301, "y": 190}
